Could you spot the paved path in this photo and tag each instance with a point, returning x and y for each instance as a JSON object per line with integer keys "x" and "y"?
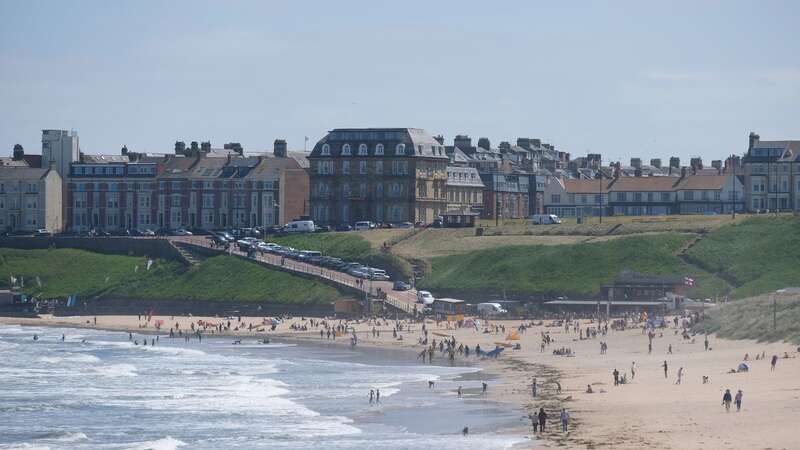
{"x": 403, "y": 300}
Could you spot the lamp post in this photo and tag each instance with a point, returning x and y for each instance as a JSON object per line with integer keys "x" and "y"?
{"x": 733, "y": 184}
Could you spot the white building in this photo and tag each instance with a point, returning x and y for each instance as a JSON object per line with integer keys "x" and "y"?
{"x": 61, "y": 148}
{"x": 30, "y": 199}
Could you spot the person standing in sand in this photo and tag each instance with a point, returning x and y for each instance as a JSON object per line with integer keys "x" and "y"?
{"x": 542, "y": 419}
{"x": 633, "y": 370}
{"x": 371, "y": 396}
{"x": 377, "y": 396}
{"x": 665, "y": 368}
{"x": 726, "y": 400}
{"x": 564, "y": 419}
{"x": 774, "y": 361}
{"x": 680, "y": 375}
{"x": 738, "y": 400}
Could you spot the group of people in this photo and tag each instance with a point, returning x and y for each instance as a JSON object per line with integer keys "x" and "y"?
{"x": 539, "y": 420}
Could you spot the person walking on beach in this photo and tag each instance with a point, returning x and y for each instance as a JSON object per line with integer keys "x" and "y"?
{"x": 726, "y": 400}
{"x": 430, "y": 384}
{"x": 680, "y": 375}
{"x": 459, "y": 391}
{"x": 774, "y": 361}
{"x": 564, "y": 419}
{"x": 533, "y": 387}
{"x": 633, "y": 370}
{"x": 378, "y": 396}
{"x": 616, "y": 377}
{"x": 738, "y": 400}
{"x": 706, "y": 342}
{"x": 665, "y": 368}
{"x": 371, "y": 396}
{"x": 484, "y": 387}
{"x": 542, "y": 419}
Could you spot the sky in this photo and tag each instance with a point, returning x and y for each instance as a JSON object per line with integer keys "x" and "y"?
{"x": 623, "y": 78}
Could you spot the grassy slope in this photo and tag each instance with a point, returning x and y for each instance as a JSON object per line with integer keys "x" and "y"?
{"x": 758, "y": 255}
{"x": 66, "y": 271}
{"x": 230, "y": 278}
{"x": 576, "y": 270}
{"x": 752, "y": 319}
{"x": 350, "y": 246}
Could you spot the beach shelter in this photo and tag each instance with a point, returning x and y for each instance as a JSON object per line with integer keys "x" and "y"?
{"x": 743, "y": 367}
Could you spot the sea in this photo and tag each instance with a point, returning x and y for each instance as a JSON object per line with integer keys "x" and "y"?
{"x": 98, "y": 390}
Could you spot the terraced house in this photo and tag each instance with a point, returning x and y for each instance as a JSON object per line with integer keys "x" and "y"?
{"x": 772, "y": 174}
{"x": 377, "y": 174}
{"x": 645, "y": 196}
{"x": 30, "y": 199}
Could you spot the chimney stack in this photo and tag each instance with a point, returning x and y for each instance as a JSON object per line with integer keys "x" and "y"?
{"x": 636, "y": 163}
{"x": 439, "y": 139}
{"x": 753, "y": 140}
{"x": 656, "y": 162}
{"x": 19, "y": 153}
{"x": 484, "y": 143}
{"x": 279, "y": 148}
{"x": 463, "y": 142}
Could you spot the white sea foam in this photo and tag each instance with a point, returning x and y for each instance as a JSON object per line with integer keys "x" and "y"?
{"x": 116, "y": 370}
{"x": 64, "y": 436}
{"x": 165, "y": 443}
{"x": 69, "y": 357}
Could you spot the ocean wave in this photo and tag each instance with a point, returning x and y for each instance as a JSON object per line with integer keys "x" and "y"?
{"x": 64, "y": 436}
{"x": 5, "y": 346}
{"x": 23, "y": 446}
{"x": 116, "y": 370}
{"x": 71, "y": 357}
{"x": 165, "y": 443}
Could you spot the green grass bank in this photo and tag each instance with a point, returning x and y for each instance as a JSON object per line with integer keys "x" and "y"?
{"x": 62, "y": 272}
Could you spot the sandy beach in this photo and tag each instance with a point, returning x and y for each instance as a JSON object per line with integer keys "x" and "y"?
{"x": 649, "y": 411}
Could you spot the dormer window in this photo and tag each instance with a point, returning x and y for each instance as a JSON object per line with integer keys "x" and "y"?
{"x": 362, "y": 150}
{"x": 326, "y": 150}
{"x": 379, "y": 149}
{"x": 346, "y": 150}
{"x": 400, "y": 149}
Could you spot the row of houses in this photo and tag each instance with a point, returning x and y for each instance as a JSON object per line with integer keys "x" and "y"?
{"x": 384, "y": 175}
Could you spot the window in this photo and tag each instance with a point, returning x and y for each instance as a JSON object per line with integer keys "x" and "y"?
{"x": 620, "y": 196}
{"x": 665, "y": 196}
{"x": 555, "y": 198}
{"x": 598, "y": 198}
{"x": 379, "y": 169}
{"x": 346, "y": 150}
{"x": 400, "y": 149}
{"x": 362, "y": 167}
{"x": 379, "y": 149}
{"x": 650, "y": 196}
{"x": 208, "y": 200}
{"x": 717, "y": 195}
{"x": 379, "y": 190}
{"x": 688, "y": 195}
{"x": 144, "y": 200}
{"x": 345, "y": 167}
{"x": 362, "y": 150}
{"x": 326, "y": 150}
{"x": 397, "y": 190}
{"x": 637, "y": 196}
{"x": 112, "y": 200}
{"x": 175, "y": 201}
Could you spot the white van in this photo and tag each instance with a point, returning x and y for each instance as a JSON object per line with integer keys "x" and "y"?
{"x": 425, "y": 297}
{"x": 545, "y": 219}
{"x": 363, "y": 225}
{"x": 299, "y": 226}
{"x": 490, "y": 309}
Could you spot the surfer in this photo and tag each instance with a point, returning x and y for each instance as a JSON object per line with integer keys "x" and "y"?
{"x": 35, "y": 337}
{"x": 371, "y": 396}
{"x": 459, "y": 392}
{"x": 378, "y": 396}
{"x": 484, "y": 385}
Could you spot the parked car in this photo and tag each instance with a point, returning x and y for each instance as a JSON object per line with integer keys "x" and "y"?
{"x": 545, "y": 219}
{"x": 148, "y": 232}
{"x": 344, "y": 227}
{"x": 401, "y": 286}
{"x": 363, "y": 225}
{"x": 403, "y": 225}
{"x": 299, "y": 226}
{"x": 425, "y": 297}
{"x": 42, "y": 232}
{"x": 182, "y": 232}
{"x": 322, "y": 229}
{"x": 378, "y": 274}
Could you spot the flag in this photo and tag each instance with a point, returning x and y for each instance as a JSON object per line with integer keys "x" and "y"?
{"x": 688, "y": 281}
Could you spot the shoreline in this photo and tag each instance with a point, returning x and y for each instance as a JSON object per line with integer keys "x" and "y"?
{"x": 649, "y": 411}
{"x": 389, "y": 354}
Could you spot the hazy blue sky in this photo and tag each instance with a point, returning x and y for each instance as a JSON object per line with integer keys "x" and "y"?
{"x": 621, "y": 78}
